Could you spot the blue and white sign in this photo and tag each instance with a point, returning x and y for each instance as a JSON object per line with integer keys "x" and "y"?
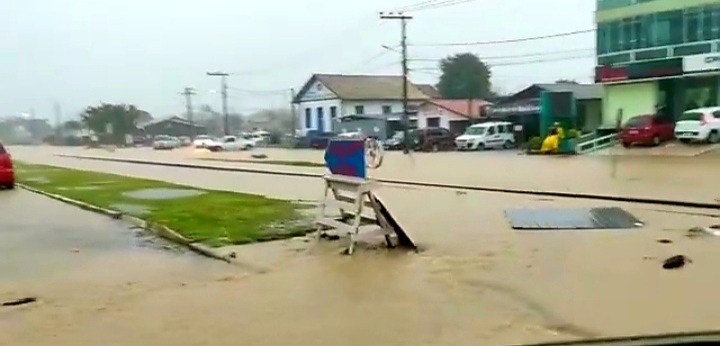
{"x": 701, "y": 63}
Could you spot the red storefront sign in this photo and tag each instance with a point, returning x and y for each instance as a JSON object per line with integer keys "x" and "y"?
{"x": 611, "y": 74}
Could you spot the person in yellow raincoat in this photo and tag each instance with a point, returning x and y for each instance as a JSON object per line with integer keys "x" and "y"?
{"x": 552, "y": 141}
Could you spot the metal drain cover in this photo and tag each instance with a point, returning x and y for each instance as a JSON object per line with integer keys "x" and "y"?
{"x": 571, "y": 218}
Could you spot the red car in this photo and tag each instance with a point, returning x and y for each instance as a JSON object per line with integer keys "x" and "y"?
{"x": 7, "y": 174}
{"x": 647, "y": 130}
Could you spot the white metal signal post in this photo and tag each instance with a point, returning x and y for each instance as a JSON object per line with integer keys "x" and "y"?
{"x": 348, "y": 196}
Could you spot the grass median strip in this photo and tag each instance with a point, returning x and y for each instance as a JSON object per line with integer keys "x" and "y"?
{"x": 215, "y": 218}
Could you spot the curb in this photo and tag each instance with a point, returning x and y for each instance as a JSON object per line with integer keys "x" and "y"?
{"x": 156, "y": 229}
{"x": 544, "y": 193}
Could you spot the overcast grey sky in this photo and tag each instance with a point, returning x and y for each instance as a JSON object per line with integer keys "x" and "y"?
{"x": 144, "y": 52}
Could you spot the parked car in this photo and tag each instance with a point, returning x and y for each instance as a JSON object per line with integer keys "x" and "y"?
{"x": 185, "y": 141}
{"x": 202, "y": 141}
{"x": 7, "y": 172}
{"x": 163, "y": 142}
{"x": 699, "y": 125}
{"x": 646, "y": 130}
{"x": 140, "y": 140}
{"x": 486, "y": 136}
{"x": 320, "y": 140}
{"x": 433, "y": 139}
{"x": 396, "y": 142}
{"x": 230, "y": 143}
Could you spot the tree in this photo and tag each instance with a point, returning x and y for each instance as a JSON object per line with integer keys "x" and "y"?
{"x": 112, "y": 120}
{"x": 566, "y": 81}
{"x": 464, "y": 76}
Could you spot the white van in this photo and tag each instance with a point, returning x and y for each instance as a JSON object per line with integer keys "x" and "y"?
{"x": 487, "y": 135}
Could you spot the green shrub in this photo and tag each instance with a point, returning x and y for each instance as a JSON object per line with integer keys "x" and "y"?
{"x": 535, "y": 143}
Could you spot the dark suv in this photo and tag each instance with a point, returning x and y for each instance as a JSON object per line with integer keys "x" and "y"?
{"x": 434, "y": 139}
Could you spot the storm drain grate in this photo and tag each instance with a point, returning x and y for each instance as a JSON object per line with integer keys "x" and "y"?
{"x": 571, "y": 218}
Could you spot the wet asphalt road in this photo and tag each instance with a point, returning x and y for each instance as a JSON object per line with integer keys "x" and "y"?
{"x": 41, "y": 238}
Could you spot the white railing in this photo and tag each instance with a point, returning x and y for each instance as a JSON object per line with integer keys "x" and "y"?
{"x": 596, "y": 144}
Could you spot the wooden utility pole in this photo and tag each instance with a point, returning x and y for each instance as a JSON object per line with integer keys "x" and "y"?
{"x": 58, "y": 121}
{"x": 403, "y": 43}
{"x": 226, "y": 118}
{"x": 188, "y": 93}
{"x": 292, "y": 111}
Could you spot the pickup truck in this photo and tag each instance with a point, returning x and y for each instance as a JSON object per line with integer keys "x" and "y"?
{"x": 230, "y": 143}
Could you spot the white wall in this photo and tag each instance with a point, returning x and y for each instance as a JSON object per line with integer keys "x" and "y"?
{"x": 445, "y": 116}
{"x": 313, "y": 106}
{"x": 344, "y": 108}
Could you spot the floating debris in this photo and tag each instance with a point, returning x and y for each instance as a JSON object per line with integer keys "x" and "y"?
{"x": 664, "y": 241}
{"x": 571, "y": 218}
{"x": 162, "y": 193}
{"x": 21, "y": 301}
{"x": 703, "y": 232}
{"x": 676, "y": 262}
{"x": 258, "y": 156}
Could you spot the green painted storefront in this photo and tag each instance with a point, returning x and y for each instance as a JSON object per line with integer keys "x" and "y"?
{"x": 672, "y": 95}
{"x": 630, "y": 99}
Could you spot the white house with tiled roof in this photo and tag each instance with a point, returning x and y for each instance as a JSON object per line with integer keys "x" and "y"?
{"x": 327, "y": 97}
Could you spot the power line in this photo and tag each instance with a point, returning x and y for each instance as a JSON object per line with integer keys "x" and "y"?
{"x": 271, "y": 91}
{"x": 360, "y": 25}
{"x": 517, "y": 63}
{"x": 437, "y": 5}
{"x": 528, "y": 55}
{"x": 409, "y": 7}
{"x": 515, "y": 40}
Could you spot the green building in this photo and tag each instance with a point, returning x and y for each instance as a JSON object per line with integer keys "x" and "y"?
{"x": 657, "y": 53}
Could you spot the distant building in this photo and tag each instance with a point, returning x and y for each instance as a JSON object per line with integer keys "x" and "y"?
{"x": 657, "y": 53}
{"x": 523, "y": 108}
{"x": 454, "y": 115}
{"x": 326, "y": 98}
{"x": 172, "y": 126}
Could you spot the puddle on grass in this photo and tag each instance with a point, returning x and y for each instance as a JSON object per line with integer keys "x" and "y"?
{"x": 105, "y": 182}
{"x": 83, "y": 188}
{"x": 132, "y": 209}
{"x": 161, "y": 193}
{"x": 39, "y": 180}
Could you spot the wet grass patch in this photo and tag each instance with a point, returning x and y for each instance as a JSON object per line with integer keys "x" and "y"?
{"x": 215, "y": 218}
{"x": 268, "y": 162}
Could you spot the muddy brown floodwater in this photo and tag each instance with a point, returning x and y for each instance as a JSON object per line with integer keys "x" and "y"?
{"x": 634, "y": 175}
{"x": 477, "y": 282}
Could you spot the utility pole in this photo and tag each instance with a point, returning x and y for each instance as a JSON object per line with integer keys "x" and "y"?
{"x": 292, "y": 111}
{"x": 188, "y": 93}
{"x": 226, "y": 120}
{"x": 58, "y": 120}
{"x": 403, "y": 43}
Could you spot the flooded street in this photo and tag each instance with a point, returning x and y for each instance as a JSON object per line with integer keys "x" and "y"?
{"x": 476, "y": 281}
{"x": 614, "y": 175}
